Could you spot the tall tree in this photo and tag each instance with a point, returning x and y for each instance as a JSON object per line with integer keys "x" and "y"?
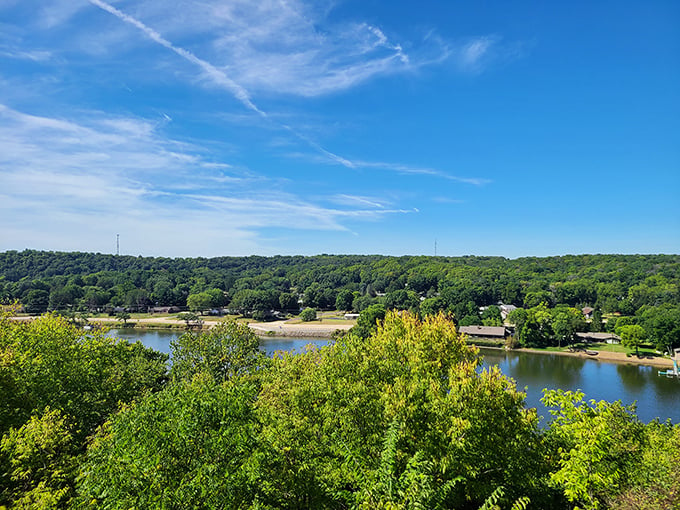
{"x": 413, "y": 386}
{"x": 222, "y": 352}
{"x": 597, "y": 444}
{"x": 186, "y": 447}
{"x": 344, "y": 300}
{"x": 633, "y": 335}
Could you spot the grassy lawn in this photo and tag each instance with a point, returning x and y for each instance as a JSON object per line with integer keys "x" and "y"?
{"x": 646, "y": 349}
{"x": 333, "y": 320}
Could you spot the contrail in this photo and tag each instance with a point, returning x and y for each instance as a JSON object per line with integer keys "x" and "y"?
{"x": 218, "y": 76}
{"x": 330, "y": 155}
{"x": 242, "y": 94}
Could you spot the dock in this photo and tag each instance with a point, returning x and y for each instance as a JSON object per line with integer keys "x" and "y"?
{"x": 672, "y": 372}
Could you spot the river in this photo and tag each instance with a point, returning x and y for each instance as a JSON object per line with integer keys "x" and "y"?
{"x": 160, "y": 340}
{"x": 600, "y": 380}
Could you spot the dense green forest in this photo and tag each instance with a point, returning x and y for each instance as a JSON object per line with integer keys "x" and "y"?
{"x": 405, "y": 418}
{"x": 549, "y": 291}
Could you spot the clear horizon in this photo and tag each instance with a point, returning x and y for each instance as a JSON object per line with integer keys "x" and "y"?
{"x": 350, "y": 127}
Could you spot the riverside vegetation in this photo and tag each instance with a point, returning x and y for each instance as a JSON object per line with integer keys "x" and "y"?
{"x": 637, "y": 296}
{"x": 405, "y": 418}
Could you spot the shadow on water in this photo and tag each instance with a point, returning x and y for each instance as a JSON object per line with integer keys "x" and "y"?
{"x": 558, "y": 371}
{"x": 633, "y": 379}
{"x": 666, "y": 390}
{"x": 655, "y": 396}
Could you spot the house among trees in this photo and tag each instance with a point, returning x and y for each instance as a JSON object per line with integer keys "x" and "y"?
{"x": 497, "y": 333}
{"x": 506, "y": 310}
{"x": 588, "y": 312}
{"x": 164, "y": 309}
{"x": 609, "y": 338}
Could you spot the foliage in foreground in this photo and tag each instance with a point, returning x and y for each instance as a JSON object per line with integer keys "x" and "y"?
{"x": 57, "y": 385}
{"x": 405, "y": 418}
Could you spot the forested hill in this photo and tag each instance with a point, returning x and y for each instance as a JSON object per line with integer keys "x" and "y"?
{"x": 15, "y": 265}
{"x": 611, "y": 283}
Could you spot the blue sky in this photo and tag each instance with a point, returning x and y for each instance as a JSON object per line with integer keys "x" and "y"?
{"x": 236, "y": 127}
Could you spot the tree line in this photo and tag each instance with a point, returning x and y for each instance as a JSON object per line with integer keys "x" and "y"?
{"x": 642, "y": 288}
{"x": 405, "y": 418}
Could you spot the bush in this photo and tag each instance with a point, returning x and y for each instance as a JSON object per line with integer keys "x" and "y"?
{"x": 308, "y": 314}
{"x": 260, "y": 315}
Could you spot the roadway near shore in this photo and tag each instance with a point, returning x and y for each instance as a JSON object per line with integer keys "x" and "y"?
{"x": 289, "y": 328}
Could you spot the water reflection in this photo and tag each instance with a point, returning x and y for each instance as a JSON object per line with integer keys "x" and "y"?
{"x": 666, "y": 391}
{"x": 564, "y": 373}
{"x": 558, "y": 371}
{"x": 632, "y": 378}
{"x": 272, "y": 345}
{"x": 655, "y": 396}
{"x": 159, "y": 340}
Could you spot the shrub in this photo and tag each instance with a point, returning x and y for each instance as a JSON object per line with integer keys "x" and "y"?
{"x": 308, "y": 314}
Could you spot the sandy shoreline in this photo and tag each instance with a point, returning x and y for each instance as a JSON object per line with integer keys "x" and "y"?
{"x": 611, "y": 357}
{"x": 307, "y": 330}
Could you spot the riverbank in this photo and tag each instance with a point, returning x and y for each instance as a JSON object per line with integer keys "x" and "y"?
{"x": 615, "y": 357}
{"x": 324, "y": 328}
{"x": 320, "y": 330}
{"x": 327, "y": 329}
{"x": 607, "y": 356}
{"x": 299, "y": 330}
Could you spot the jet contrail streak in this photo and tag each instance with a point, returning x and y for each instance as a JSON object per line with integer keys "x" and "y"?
{"x": 218, "y": 76}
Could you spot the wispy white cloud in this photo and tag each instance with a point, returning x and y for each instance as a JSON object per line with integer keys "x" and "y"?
{"x": 487, "y": 51}
{"x": 376, "y": 40}
{"x": 77, "y": 175}
{"x": 277, "y": 47}
{"x": 447, "y": 200}
{"x": 416, "y": 170}
{"x": 284, "y": 50}
{"x": 121, "y": 169}
{"x": 472, "y": 53}
{"x": 56, "y": 12}
{"x": 399, "y": 168}
{"x": 21, "y": 54}
{"x": 286, "y": 47}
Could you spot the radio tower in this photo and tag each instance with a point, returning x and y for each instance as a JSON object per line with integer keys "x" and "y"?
{"x": 117, "y": 244}
{"x": 435, "y": 247}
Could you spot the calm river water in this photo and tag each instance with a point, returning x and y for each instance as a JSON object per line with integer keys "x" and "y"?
{"x": 600, "y": 380}
{"x": 656, "y": 396}
{"x": 160, "y": 340}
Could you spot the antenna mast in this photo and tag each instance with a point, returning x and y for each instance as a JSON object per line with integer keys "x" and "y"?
{"x": 117, "y": 244}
